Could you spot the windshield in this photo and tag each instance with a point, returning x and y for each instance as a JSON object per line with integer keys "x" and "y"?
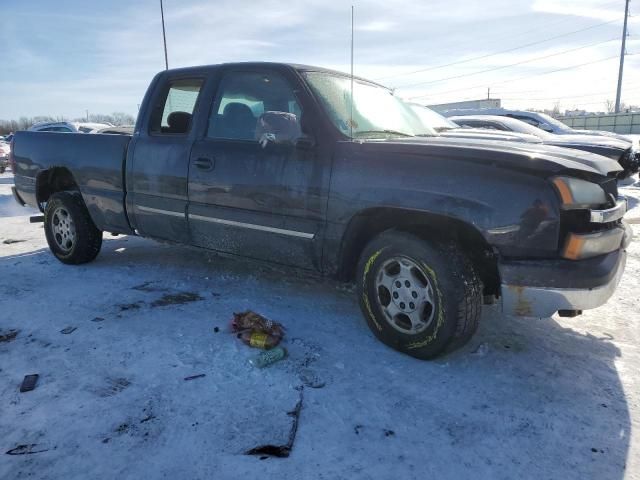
{"x": 376, "y": 111}
{"x": 433, "y": 119}
{"x": 520, "y": 126}
{"x": 556, "y": 123}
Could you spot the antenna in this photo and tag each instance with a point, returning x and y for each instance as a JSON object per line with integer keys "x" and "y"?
{"x": 164, "y": 38}
{"x": 351, "y": 119}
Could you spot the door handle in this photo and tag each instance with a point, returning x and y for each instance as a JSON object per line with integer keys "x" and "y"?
{"x": 204, "y": 163}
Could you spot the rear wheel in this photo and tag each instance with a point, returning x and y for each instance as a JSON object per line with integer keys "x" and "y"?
{"x": 71, "y": 234}
{"x": 419, "y": 297}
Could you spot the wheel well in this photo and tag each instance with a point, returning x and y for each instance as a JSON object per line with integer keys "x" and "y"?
{"x": 366, "y": 225}
{"x": 53, "y": 180}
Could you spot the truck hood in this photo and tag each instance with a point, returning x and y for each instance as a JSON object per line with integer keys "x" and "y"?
{"x": 485, "y": 134}
{"x": 598, "y": 133}
{"x": 590, "y": 140}
{"x": 538, "y": 158}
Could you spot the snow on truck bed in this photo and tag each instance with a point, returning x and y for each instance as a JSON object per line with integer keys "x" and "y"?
{"x": 549, "y": 398}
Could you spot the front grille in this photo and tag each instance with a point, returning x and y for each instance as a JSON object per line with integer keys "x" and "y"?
{"x": 610, "y": 187}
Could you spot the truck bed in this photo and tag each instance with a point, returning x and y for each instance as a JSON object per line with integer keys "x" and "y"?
{"x": 97, "y": 162}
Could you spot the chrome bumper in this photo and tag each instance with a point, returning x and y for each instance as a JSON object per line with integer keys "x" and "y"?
{"x": 611, "y": 214}
{"x": 524, "y": 301}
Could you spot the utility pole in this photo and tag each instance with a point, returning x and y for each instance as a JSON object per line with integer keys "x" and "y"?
{"x": 488, "y": 93}
{"x": 622, "y": 53}
{"x": 87, "y": 115}
{"x": 164, "y": 38}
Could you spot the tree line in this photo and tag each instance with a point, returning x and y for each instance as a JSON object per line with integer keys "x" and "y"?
{"x": 23, "y": 123}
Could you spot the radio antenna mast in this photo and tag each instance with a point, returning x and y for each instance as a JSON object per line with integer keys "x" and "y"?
{"x": 351, "y": 114}
{"x": 164, "y": 38}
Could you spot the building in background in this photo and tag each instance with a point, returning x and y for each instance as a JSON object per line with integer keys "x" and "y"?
{"x": 484, "y": 103}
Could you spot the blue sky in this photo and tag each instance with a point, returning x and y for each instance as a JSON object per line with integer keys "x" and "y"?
{"x": 64, "y": 57}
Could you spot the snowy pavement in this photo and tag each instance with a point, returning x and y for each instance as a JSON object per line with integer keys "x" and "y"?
{"x": 550, "y": 398}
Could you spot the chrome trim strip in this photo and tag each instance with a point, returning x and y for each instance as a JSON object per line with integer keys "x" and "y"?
{"x": 252, "y": 226}
{"x": 611, "y": 214}
{"x": 162, "y": 212}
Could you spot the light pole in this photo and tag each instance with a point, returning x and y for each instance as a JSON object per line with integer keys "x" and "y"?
{"x": 622, "y": 53}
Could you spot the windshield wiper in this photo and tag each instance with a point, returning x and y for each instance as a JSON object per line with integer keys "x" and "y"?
{"x": 390, "y": 132}
{"x": 437, "y": 130}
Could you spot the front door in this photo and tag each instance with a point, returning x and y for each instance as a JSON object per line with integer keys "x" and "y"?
{"x": 158, "y": 171}
{"x": 254, "y": 189}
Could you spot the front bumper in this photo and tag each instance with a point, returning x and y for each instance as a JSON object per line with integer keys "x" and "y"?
{"x": 541, "y": 288}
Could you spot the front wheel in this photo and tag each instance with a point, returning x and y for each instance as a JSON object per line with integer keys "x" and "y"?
{"x": 419, "y": 297}
{"x": 71, "y": 234}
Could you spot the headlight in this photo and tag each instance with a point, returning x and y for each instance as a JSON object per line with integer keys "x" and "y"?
{"x": 576, "y": 193}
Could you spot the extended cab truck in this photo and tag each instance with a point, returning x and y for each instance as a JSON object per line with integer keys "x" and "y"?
{"x": 276, "y": 162}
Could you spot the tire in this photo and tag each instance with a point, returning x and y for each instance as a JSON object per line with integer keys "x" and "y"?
{"x": 71, "y": 234}
{"x": 442, "y": 282}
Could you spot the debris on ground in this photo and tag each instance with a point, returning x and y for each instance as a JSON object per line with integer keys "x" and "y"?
{"x": 176, "y": 299}
{"x": 193, "y": 377}
{"x": 257, "y": 331}
{"x": 252, "y": 321}
{"x": 268, "y": 358}
{"x": 8, "y": 336}
{"x": 216, "y": 329}
{"x": 29, "y": 383}
{"x": 9, "y": 241}
{"x": 26, "y": 449}
{"x": 97, "y": 319}
{"x": 259, "y": 339}
{"x": 68, "y": 330}
{"x": 282, "y": 451}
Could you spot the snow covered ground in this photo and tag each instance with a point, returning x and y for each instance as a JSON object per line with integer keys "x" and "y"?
{"x": 550, "y": 398}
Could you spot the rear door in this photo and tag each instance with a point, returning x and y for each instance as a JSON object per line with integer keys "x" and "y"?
{"x": 255, "y": 189}
{"x": 157, "y": 170}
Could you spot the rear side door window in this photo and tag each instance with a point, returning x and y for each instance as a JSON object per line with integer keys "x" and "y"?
{"x": 255, "y": 107}
{"x": 173, "y": 112}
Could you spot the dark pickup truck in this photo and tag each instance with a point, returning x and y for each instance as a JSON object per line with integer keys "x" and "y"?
{"x": 295, "y": 165}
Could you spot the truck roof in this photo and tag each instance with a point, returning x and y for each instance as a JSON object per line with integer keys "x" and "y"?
{"x": 296, "y": 66}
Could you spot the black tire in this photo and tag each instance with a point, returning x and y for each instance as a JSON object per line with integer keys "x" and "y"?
{"x": 456, "y": 294}
{"x": 87, "y": 241}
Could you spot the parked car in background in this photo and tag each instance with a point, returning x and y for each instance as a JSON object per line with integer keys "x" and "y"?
{"x": 447, "y": 128}
{"x": 68, "y": 127}
{"x": 537, "y": 119}
{"x": 90, "y": 127}
{"x": 64, "y": 127}
{"x": 280, "y": 163}
{"x": 124, "y": 130}
{"x": 4, "y": 156}
{"x": 621, "y": 151}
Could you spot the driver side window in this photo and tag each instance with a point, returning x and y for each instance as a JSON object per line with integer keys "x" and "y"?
{"x": 255, "y": 107}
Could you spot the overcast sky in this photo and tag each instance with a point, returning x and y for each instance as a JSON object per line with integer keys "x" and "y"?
{"x": 64, "y": 57}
